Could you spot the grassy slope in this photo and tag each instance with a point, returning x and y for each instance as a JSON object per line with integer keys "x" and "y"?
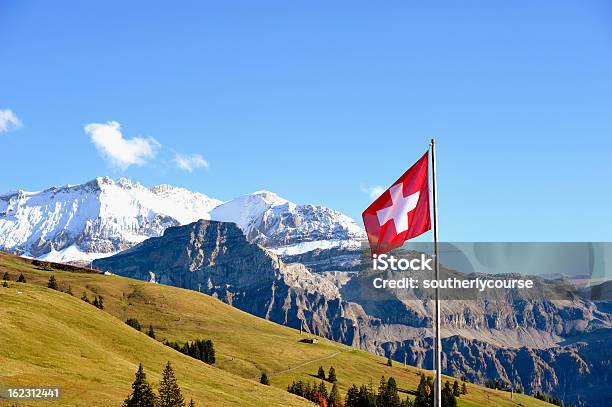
{"x": 51, "y": 338}
{"x": 245, "y": 345}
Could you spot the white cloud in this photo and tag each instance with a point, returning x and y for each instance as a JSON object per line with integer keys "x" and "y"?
{"x": 189, "y": 162}
{"x": 9, "y": 121}
{"x": 374, "y": 191}
{"x": 120, "y": 151}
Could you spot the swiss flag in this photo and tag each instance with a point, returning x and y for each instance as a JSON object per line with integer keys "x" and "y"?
{"x": 401, "y": 212}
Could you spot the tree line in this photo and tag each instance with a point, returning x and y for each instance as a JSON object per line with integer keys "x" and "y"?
{"x": 316, "y": 393}
{"x": 201, "y": 349}
{"x": 386, "y": 395}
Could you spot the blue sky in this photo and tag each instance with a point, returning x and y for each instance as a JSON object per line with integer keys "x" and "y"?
{"x": 320, "y": 101}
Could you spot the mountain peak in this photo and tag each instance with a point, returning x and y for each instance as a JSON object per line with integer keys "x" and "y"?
{"x": 268, "y": 197}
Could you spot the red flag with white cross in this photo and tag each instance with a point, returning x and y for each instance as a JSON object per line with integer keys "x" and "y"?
{"x": 401, "y": 212}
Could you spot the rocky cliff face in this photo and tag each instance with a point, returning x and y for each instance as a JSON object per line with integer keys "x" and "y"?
{"x": 215, "y": 258}
{"x": 578, "y": 374}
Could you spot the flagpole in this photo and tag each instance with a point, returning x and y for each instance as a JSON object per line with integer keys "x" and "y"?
{"x": 438, "y": 342}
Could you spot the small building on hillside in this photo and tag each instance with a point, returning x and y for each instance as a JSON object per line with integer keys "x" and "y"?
{"x": 310, "y": 340}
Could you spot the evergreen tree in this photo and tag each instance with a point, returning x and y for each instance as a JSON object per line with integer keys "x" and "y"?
{"x": 309, "y": 391}
{"x": 210, "y": 352}
{"x": 392, "y": 393}
{"x": 142, "y": 395}
{"x": 52, "y": 284}
{"x": 264, "y": 379}
{"x": 321, "y": 373}
{"x": 4, "y": 284}
{"x": 331, "y": 376}
{"x": 456, "y": 391}
{"x": 191, "y": 403}
{"x": 84, "y": 297}
{"x": 463, "y": 388}
{"x": 21, "y": 278}
{"x": 367, "y": 396}
{"x": 101, "y": 302}
{"x": 352, "y": 397}
{"x": 133, "y": 322}
{"x": 6, "y": 276}
{"x": 424, "y": 393}
{"x": 387, "y": 393}
{"x": 389, "y": 361}
{"x": 169, "y": 391}
{"x": 448, "y": 398}
{"x": 334, "y": 400}
{"x": 151, "y": 332}
{"x": 95, "y": 302}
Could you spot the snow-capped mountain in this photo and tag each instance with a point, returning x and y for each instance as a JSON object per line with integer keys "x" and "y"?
{"x": 287, "y": 228}
{"x": 95, "y": 219}
{"x": 104, "y": 216}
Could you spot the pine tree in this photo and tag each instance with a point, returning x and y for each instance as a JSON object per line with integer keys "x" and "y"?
{"x": 142, "y": 394}
{"x": 463, "y": 388}
{"x": 264, "y": 379}
{"x": 21, "y": 278}
{"x": 151, "y": 332}
{"x": 95, "y": 302}
{"x": 191, "y": 403}
{"x": 6, "y": 276}
{"x": 448, "y": 398}
{"x": 52, "y": 284}
{"x": 456, "y": 391}
{"x": 387, "y": 393}
{"x": 352, "y": 397}
{"x": 367, "y": 396}
{"x": 389, "y": 361}
{"x": 133, "y": 322}
{"x": 101, "y": 302}
{"x": 4, "y": 284}
{"x": 321, "y": 373}
{"x": 424, "y": 396}
{"x": 84, "y": 297}
{"x": 169, "y": 391}
{"x": 331, "y": 376}
{"x": 334, "y": 400}
{"x": 392, "y": 394}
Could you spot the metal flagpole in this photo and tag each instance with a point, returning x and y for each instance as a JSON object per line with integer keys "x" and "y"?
{"x": 438, "y": 342}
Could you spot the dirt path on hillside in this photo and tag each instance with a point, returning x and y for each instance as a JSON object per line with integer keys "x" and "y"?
{"x": 291, "y": 369}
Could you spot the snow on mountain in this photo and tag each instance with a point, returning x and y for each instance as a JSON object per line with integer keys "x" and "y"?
{"x": 105, "y": 216}
{"x": 94, "y": 219}
{"x": 287, "y": 228}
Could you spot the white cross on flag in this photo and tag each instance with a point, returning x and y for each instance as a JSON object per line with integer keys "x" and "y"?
{"x": 401, "y": 212}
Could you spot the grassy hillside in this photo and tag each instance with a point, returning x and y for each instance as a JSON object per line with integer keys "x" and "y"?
{"x": 51, "y": 338}
{"x": 245, "y": 345}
